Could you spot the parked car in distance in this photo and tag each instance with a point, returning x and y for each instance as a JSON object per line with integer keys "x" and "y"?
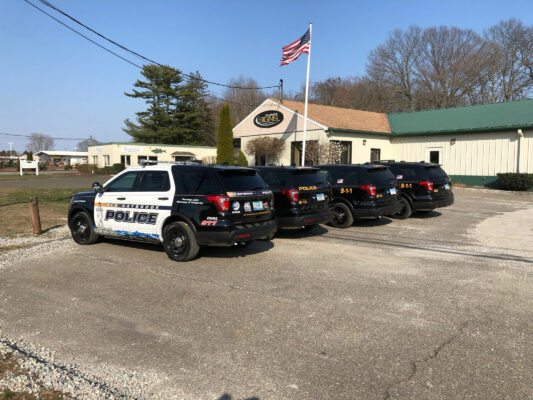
{"x": 423, "y": 186}
{"x": 361, "y": 191}
{"x": 301, "y": 196}
{"x": 181, "y": 206}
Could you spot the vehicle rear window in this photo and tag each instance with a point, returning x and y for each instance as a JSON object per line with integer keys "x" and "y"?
{"x": 241, "y": 180}
{"x": 373, "y": 176}
{"x": 306, "y": 177}
{"x": 344, "y": 176}
{"x": 196, "y": 182}
{"x": 436, "y": 173}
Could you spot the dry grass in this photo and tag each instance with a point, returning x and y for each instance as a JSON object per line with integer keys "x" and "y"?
{"x": 15, "y": 219}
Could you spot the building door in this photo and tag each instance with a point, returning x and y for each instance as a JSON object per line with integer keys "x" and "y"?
{"x": 125, "y": 160}
{"x": 434, "y": 155}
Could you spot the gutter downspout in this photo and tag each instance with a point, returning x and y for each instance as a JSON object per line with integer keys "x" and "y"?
{"x": 520, "y": 136}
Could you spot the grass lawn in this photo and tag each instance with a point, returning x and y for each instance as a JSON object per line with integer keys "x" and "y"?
{"x": 16, "y": 219}
{"x": 26, "y": 176}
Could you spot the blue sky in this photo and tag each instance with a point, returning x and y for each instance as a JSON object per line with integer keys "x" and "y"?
{"x": 54, "y": 82}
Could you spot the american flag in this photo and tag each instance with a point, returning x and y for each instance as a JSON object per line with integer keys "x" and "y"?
{"x": 292, "y": 51}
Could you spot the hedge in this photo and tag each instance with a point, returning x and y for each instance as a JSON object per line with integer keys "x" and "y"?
{"x": 516, "y": 181}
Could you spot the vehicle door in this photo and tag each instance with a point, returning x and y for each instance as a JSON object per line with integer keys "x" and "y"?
{"x": 135, "y": 204}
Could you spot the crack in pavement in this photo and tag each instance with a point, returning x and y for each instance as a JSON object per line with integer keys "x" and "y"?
{"x": 413, "y": 364}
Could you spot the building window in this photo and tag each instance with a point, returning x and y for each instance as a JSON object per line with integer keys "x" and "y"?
{"x": 95, "y": 160}
{"x": 145, "y": 158}
{"x": 106, "y": 160}
{"x": 434, "y": 156}
{"x": 375, "y": 155}
{"x": 345, "y": 153}
{"x": 125, "y": 160}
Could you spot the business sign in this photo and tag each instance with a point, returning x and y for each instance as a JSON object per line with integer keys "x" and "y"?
{"x": 268, "y": 119}
{"x": 131, "y": 149}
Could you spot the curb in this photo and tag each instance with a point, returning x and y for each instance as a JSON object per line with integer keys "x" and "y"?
{"x": 484, "y": 190}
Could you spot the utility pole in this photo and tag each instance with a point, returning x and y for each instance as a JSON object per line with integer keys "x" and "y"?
{"x": 281, "y": 90}
{"x": 10, "y": 149}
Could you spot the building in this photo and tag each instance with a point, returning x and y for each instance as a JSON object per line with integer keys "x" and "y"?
{"x": 130, "y": 154}
{"x": 54, "y": 157}
{"x": 472, "y": 143}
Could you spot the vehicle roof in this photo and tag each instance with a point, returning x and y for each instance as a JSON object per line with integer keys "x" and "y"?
{"x": 410, "y": 163}
{"x": 366, "y": 166}
{"x": 169, "y": 166}
{"x": 285, "y": 168}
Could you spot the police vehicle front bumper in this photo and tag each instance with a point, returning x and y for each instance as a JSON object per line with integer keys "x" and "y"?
{"x": 428, "y": 205}
{"x": 296, "y": 221}
{"x": 239, "y": 233}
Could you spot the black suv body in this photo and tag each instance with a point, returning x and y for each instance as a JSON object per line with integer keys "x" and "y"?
{"x": 361, "y": 191}
{"x": 424, "y": 186}
{"x": 181, "y": 206}
{"x": 301, "y": 196}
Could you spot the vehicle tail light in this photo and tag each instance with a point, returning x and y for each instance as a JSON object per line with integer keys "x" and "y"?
{"x": 427, "y": 184}
{"x": 292, "y": 194}
{"x": 222, "y": 202}
{"x": 370, "y": 189}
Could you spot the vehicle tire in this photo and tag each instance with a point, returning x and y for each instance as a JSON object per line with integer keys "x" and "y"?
{"x": 342, "y": 216}
{"x": 406, "y": 210}
{"x": 81, "y": 229}
{"x": 180, "y": 242}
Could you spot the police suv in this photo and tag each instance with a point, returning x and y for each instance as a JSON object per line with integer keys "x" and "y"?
{"x": 182, "y": 206}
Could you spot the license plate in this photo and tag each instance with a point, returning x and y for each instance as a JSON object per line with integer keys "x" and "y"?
{"x": 320, "y": 197}
{"x": 257, "y": 205}
{"x": 447, "y": 186}
{"x": 392, "y": 190}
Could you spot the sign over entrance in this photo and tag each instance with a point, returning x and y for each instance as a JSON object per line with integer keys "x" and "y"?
{"x": 267, "y": 119}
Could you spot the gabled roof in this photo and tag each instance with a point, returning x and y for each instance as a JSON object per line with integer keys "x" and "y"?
{"x": 479, "y": 118}
{"x": 341, "y": 118}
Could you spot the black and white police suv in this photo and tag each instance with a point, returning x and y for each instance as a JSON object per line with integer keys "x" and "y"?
{"x": 182, "y": 206}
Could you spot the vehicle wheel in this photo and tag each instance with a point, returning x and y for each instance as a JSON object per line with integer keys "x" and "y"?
{"x": 179, "y": 242}
{"x": 82, "y": 230}
{"x": 406, "y": 210}
{"x": 342, "y": 216}
{"x": 308, "y": 228}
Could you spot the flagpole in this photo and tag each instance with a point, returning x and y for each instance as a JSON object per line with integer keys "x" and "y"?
{"x": 306, "y": 94}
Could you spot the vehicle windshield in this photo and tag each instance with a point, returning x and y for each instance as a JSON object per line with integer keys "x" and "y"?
{"x": 241, "y": 180}
{"x": 377, "y": 176}
{"x": 436, "y": 173}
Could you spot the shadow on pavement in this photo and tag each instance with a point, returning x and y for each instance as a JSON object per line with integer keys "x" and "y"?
{"x": 372, "y": 221}
{"x": 254, "y": 247}
{"x": 426, "y": 214}
{"x": 299, "y": 233}
{"x": 226, "y": 396}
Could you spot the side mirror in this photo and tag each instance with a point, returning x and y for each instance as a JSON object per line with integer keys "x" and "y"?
{"x": 97, "y": 187}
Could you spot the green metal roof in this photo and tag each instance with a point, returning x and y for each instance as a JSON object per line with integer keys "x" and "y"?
{"x": 480, "y": 118}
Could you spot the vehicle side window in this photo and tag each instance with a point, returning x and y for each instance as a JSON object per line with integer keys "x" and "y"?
{"x": 154, "y": 181}
{"x": 324, "y": 174}
{"x": 196, "y": 182}
{"x": 124, "y": 183}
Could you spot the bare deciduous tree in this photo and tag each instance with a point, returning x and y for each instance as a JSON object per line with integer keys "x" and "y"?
{"x": 39, "y": 141}
{"x": 243, "y": 101}
{"x": 393, "y": 63}
{"x": 268, "y": 147}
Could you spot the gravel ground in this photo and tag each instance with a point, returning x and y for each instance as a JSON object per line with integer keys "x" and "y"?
{"x": 433, "y": 307}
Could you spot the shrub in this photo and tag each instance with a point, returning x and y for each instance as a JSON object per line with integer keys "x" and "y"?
{"x": 86, "y": 168}
{"x": 68, "y": 166}
{"x": 516, "y": 181}
{"x": 241, "y": 159}
{"x": 110, "y": 170}
{"x": 43, "y": 166}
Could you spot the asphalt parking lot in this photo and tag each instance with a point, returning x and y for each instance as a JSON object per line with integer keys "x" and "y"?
{"x": 433, "y": 307}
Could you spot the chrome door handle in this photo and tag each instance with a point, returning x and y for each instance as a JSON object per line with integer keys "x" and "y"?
{"x": 121, "y": 198}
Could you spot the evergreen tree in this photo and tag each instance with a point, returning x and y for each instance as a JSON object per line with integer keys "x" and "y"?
{"x": 241, "y": 159}
{"x": 177, "y": 112}
{"x": 29, "y": 156}
{"x": 224, "y": 137}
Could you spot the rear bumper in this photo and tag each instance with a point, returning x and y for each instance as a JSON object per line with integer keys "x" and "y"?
{"x": 377, "y": 210}
{"x": 322, "y": 217}
{"x": 427, "y": 205}
{"x": 241, "y": 233}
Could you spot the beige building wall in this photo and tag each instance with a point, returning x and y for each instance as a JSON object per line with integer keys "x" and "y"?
{"x": 109, "y": 154}
{"x": 362, "y": 144}
{"x": 482, "y": 154}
